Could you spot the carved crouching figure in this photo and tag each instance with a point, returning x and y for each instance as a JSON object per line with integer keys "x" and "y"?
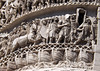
{"x": 24, "y": 40}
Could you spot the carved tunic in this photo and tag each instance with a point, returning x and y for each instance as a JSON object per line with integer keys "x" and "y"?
{"x": 51, "y": 30}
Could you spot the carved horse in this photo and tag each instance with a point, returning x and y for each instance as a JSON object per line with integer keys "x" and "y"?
{"x": 24, "y": 40}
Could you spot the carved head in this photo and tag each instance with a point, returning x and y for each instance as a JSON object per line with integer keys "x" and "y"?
{"x": 49, "y": 20}
{"x": 56, "y": 19}
{"x": 73, "y": 17}
{"x": 60, "y": 22}
{"x": 88, "y": 21}
{"x": 44, "y": 22}
{"x": 37, "y": 21}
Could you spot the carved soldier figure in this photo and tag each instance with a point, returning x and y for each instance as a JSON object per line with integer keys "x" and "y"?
{"x": 65, "y": 31}
{"x": 49, "y": 1}
{"x": 36, "y": 3}
{"x": 23, "y": 5}
{"x": 94, "y": 29}
{"x": 2, "y": 53}
{"x": 18, "y": 6}
{"x": 44, "y": 2}
{"x": 86, "y": 31}
{"x": 9, "y": 12}
{"x": 51, "y": 31}
{"x": 59, "y": 1}
{"x": 3, "y": 20}
{"x": 74, "y": 26}
{"x": 29, "y": 5}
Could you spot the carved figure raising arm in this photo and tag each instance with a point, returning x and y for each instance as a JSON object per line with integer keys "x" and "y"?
{"x": 65, "y": 31}
{"x": 86, "y": 31}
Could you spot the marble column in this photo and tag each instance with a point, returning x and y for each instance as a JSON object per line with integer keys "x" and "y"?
{"x": 97, "y": 48}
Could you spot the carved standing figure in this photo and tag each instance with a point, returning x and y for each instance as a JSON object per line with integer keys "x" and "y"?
{"x": 74, "y": 26}
{"x": 51, "y": 31}
{"x": 94, "y": 29}
{"x": 86, "y": 31}
{"x": 65, "y": 31}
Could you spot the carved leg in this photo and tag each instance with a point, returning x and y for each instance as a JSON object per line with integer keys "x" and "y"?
{"x": 50, "y": 41}
{"x": 59, "y": 39}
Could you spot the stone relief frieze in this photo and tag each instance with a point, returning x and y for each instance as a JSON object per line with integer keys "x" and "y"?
{"x": 56, "y": 40}
{"x": 15, "y": 8}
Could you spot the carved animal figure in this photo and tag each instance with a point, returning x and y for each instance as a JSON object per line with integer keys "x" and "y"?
{"x": 24, "y": 40}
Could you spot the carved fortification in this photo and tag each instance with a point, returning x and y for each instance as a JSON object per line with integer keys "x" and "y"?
{"x": 49, "y": 35}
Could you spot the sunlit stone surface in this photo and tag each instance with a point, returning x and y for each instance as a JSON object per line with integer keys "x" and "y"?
{"x": 49, "y": 35}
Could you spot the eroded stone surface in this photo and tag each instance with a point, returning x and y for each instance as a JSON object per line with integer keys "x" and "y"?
{"x": 65, "y": 42}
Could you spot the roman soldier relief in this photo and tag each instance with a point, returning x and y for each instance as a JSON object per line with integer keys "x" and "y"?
{"x": 66, "y": 40}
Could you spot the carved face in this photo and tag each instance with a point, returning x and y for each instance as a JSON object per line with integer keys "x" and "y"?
{"x": 88, "y": 21}
{"x": 73, "y": 17}
{"x": 44, "y": 22}
{"x": 56, "y": 19}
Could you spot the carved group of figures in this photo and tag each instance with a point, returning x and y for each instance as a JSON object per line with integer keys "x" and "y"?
{"x": 56, "y": 30}
{"x": 15, "y": 8}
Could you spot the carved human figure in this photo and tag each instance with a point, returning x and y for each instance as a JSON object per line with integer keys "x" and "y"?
{"x": 86, "y": 31}
{"x": 18, "y": 7}
{"x": 94, "y": 29}
{"x": 49, "y": 2}
{"x": 29, "y": 5}
{"x": 44, "y": 2}
{"x": 36, "y": 3}
{"x": 22, "y": 30}
{"x": 3, "y": 19}
{"x": 2, "y": 53}
{"x": 65, "y": 31}
{"x": 59, "y": 1}
{"x": 9, "y": 13}
{"x": 74, "y": 26}
{"x": 23, "y": 6}
{"x": 51, "y": 31}
{"x": 43, "y": 28}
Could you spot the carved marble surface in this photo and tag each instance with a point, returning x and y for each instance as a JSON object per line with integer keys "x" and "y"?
{"x": 13, "y": 9}
{"x": 60, "y": 41}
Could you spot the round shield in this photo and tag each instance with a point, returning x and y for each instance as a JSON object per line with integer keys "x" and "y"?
{"x": 43, "y": 31}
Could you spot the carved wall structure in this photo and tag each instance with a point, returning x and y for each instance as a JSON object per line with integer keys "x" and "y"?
{"x": 43, "y": 34}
